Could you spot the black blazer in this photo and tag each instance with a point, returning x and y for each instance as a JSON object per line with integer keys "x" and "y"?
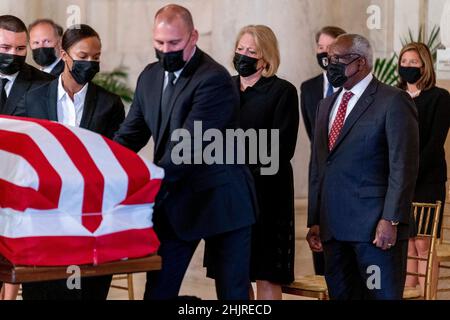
{"x": 434, "y": 120}
{"x": 371, "y": 173}
{"x": 58, "y": 69}
{"x": 199, "y": 200}
{"x": 103, "y": 111}
{"x": 311, "y": 93}
{"x": 28, "y": 78}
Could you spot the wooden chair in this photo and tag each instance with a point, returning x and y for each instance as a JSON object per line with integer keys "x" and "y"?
{"x": 443, "y": 249}
{"x": 129, "y": 287}
{"x": 426, "y": 216}
{"x": 313, "y": 286}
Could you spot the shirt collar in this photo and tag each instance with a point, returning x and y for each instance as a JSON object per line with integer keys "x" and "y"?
{"x": 11, "y": 77}
{"x": 79, "y": 95}
{"x": 359, "y": 88}
{"x": 49, "y": 68}
{"x": 325, "y": 79}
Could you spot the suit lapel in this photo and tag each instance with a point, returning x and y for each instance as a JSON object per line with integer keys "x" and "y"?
{"x": 18, "y": 90}
{"x": 324, "y": 119}
{"x": 58, "y": 69}
{"x": 156, "y": 88}
{"x": 90, "y": 105}
{"x": 180, "y": 85}
{"x": 361, "y": 106}
{"x": 319, "y": 88}
{"x": 52, "y": 101}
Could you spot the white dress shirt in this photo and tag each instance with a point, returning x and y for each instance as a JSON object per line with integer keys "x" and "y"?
{"x": 326, "y": 84}
{"x": 10, "y": 83}
{"x": 166, "y": 77}
{"x": 358, "y": 91}
{"x": 70, "y": 112}
{"x": 49, "y": 68}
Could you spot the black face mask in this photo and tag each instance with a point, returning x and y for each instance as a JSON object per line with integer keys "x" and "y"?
{"x": 336, "y": 73}
{"x": 44, "y": 56}
{"x": 244, "y": 65}
{"x": 410, "y": 74}
{"x": 171, "y": 61}
{"x": 11, "y": 63}
{"x": 84, "y": 71}
{"x": 322, "y": 59}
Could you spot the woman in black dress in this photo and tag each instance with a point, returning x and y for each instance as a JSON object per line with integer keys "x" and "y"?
{"x": 271, "y": 103}
{"x": 418, "y": 78}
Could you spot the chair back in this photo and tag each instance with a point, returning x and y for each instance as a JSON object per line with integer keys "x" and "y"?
{"x": 426, "y": 217}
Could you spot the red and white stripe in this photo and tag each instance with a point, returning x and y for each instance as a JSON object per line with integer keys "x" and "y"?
{"x": 70, "y": 196}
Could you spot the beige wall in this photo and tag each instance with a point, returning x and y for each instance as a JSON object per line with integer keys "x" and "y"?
{"x": 125, "y": 28}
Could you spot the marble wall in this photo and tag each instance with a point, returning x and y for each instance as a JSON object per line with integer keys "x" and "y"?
{"x": 125, "y": 28}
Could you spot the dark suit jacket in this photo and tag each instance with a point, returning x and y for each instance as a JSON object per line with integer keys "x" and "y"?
{"x": 103, "y": 111}
{"x": 371, "y": 173}
{"x": 58, "y": 69}
{"x": 199, "y": 200}
{"x": 434, "y": 120}
{"x": 311, "y": 93}
{"x": 27, "y": 79}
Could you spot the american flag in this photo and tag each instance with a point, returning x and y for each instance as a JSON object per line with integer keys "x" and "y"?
{"x": 69, "y": 196}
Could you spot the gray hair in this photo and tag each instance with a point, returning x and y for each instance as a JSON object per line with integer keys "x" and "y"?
{"x": 361, "y": 46}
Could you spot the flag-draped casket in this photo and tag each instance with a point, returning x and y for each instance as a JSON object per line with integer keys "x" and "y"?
{"x": 69, "y": 196}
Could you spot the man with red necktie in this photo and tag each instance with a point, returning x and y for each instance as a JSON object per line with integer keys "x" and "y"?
{"x": 363, "y": 173}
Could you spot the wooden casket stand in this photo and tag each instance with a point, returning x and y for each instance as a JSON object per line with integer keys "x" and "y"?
{"x": 10, "y": 273}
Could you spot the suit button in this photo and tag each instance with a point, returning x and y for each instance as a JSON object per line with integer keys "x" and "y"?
{"x": 328, "y": 163}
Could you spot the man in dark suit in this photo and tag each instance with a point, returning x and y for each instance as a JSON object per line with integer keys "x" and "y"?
{"x": 212, "y": 202}
{"x": 16, "y": 77}
{"x": 318, "y": 88}
{"x": 312, "y": 91}
{"x": 45, "y": 42}
{"x": 363, "y": 173}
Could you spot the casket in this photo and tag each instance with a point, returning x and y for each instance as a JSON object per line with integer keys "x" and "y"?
{"x": 69, "y": 196}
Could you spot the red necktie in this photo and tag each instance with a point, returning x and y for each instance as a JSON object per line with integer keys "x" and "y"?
{"x": 338, "y": 123}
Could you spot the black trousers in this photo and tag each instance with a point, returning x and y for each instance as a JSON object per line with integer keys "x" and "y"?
{"x": 319, "y": 263}
{"x": 94, "y": 288}
{"x": 230, "y": 256}
{"x": 361, "y": 271}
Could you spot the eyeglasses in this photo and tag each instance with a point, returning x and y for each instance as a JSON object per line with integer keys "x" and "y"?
{"x": 344, "y": 59}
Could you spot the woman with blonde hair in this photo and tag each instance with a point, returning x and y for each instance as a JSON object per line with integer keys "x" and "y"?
{"x": 418, "y": 78}
{"x": 271, "y": 103}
